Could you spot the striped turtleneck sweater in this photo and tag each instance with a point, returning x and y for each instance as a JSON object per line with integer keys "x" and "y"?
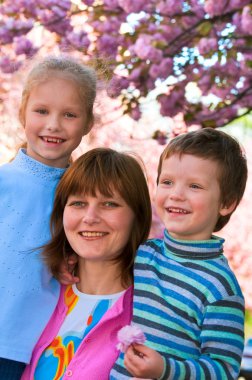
{"x": 189, "y": 304}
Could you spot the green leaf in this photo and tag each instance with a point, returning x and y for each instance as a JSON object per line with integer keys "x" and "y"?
{"x": 205, "y": 28}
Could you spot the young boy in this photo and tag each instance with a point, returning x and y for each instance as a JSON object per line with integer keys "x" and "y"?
{"x": 187, "y": 300}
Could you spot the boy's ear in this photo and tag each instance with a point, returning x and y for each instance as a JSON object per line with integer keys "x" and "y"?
{"x": 226, "y": 210}
{"x": 87, "y": 129}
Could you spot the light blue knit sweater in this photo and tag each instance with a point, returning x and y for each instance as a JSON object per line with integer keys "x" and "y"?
{"x": 28, "y": 292}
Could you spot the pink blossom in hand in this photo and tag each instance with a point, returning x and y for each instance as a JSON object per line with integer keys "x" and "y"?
{"x": 129, "y": 334}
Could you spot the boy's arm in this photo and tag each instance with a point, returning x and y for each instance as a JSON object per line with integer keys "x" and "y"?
{"x": 221, "y": 339}
{"x": 222, "y": 343}
{"x": 66, "y": 273}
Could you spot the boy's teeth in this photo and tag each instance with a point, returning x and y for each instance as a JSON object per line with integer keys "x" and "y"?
{"x": 92, "y": 234}
{"x": 179, "y": 211}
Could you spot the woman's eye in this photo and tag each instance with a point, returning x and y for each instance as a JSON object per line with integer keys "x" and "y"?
{"x": 77, "y": 204}
{"x": 110, "y": 204}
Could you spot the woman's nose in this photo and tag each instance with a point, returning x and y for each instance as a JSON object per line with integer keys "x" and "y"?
{"x": 91, "y": 216}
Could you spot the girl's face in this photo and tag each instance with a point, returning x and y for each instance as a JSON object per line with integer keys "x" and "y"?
{"x": 97, "y": 228}
{"x": 55, "y": 121}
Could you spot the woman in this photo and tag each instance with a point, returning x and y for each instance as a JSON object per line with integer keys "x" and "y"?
{"x": 102, "y": 213}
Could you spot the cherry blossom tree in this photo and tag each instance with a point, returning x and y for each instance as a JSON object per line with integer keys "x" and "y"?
{"x": 195, "y": 53}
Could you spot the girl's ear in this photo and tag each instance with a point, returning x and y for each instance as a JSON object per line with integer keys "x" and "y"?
{"x": 226, "y": 210}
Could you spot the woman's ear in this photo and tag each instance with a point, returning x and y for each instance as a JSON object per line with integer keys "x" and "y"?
{"x": 226, "y": 210}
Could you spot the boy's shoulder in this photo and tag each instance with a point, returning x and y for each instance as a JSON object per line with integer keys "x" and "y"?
{"x": 151, "y": 246}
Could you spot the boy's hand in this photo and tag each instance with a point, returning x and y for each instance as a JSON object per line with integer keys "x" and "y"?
{"x": 66, "y": 276}
{"x": 143, "y": 362}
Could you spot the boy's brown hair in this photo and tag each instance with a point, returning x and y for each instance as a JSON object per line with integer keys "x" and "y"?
{"x": 218, "y": 146}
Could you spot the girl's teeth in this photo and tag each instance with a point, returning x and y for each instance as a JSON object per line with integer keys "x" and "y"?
{"x": 53, "y": 140}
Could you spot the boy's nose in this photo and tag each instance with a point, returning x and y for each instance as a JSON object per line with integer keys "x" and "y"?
{"x": 177, "y": 193}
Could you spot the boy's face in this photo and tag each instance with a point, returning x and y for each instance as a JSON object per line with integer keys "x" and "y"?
{"x": 188, "y": 197}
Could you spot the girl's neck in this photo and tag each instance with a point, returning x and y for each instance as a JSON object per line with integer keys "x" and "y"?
{"x": 99, "y": 278}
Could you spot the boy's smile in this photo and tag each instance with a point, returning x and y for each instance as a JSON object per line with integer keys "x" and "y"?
{"x": 188, "y": 197}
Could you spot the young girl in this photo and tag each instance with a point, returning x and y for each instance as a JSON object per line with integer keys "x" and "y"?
{"x": 102, "y": 213}
{"x": 56, "y": 111}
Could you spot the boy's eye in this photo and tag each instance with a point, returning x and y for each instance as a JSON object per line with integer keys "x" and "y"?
{"x": 167, "y": 182}
{"x": 195, "y": 186}
{"x": 70, "y": 115}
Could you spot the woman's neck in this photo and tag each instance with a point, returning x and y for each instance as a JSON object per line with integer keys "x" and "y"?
{"x": 100, "y": 278}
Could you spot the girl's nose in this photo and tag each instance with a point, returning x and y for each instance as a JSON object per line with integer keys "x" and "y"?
{"x": 53, "y": 123}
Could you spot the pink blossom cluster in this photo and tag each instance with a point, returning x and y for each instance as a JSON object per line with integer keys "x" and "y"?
{"x": 147, "y": 44}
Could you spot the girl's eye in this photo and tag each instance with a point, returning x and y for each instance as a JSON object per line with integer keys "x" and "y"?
{"x": 41, "y": 111}
{"x": 70, "y": 115}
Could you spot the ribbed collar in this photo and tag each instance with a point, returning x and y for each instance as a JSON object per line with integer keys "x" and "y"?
{"x": 36, "y": 168}
{"x": 196, "y": 250}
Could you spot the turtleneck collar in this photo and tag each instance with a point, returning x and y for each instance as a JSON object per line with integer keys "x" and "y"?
{"x": 193, "y": 249}
{"x": 36, "y": 168}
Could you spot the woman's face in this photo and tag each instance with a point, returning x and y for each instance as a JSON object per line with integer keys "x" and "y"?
{"x": 97, "y": 228}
